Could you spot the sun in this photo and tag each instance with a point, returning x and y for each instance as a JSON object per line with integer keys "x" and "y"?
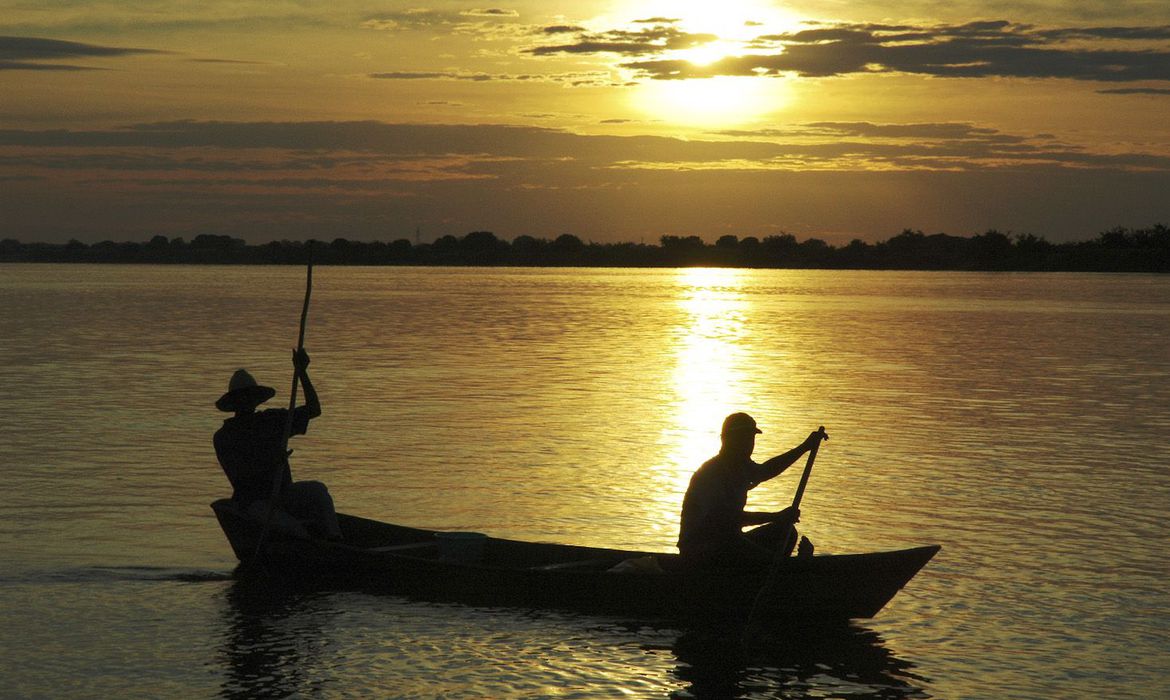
{"x": 717, "y": 101}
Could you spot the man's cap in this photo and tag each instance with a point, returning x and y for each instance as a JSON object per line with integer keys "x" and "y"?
{"x": 243, "y": 391}
{"x": 739, "y": 422}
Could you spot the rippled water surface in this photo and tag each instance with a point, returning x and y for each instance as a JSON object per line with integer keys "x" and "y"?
{"x": 1019, "y": 420}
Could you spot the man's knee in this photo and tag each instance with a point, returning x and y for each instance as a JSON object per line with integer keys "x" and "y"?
{"x": 311, "y": 487}
{"x": 310, "y": 492}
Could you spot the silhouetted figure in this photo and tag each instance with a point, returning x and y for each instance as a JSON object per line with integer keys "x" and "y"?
{"x": 713, "y": 516}
{"x": 251, "y": 449}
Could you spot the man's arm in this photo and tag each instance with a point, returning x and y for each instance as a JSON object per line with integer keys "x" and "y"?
{"x": 301, "y": 363}
{"x": 757, "y": 518}
{"x": 776, "y": 466}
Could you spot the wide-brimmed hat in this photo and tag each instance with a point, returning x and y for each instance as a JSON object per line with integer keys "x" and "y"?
{"x": 738, "y": 423}
{"x": 243, "y": 392}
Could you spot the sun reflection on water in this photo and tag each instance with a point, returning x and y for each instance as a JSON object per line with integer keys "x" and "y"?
{"x": 708, "y": 346}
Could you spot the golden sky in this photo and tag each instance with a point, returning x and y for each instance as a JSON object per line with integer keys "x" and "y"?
{"x": 614, "y": 121}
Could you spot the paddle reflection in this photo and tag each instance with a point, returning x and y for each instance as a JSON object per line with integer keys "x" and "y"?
{"x": 843, "y": 661}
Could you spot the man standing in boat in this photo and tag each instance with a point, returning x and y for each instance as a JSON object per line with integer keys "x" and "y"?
{"x": 713, "y": 516}
{"x": 251, "y": 449}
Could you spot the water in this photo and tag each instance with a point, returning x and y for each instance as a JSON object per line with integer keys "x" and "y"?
{"x": 1017, "y": 419}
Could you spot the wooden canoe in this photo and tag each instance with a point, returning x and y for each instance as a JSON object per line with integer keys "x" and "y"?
{"x": 492, "y": 571}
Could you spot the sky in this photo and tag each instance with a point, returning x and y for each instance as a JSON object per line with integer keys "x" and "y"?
{"x": 613, "y": 121}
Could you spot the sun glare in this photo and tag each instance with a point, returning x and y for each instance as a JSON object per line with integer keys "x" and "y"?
{"x": 719, "y": 101}
{"x": 711, "y": 102}
{"x": 709, "y": 376}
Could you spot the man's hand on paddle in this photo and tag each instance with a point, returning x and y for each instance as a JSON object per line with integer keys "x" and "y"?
{"x": 300, "y": 359}
{"x": 789, "y": 515}
{"x": 814, "y": 437}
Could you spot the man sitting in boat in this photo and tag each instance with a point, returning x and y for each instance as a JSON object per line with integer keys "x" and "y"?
{"x": 251, "y": 449}
{"x": 713, "y": 516}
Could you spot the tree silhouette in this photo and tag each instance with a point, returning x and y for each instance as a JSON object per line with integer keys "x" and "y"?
{"x": 1114, "y": 250}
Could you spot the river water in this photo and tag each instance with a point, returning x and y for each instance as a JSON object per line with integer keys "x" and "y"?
{"x": 1019, "y": 420}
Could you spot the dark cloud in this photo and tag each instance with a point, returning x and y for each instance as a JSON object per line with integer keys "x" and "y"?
{"x": 27, "y": 53}
{"x": 1122, "y": 33}
{"x": 422, "y": 18}
{"x": 24, "y": 65}
{"x": 230, "y": 61}
{"x": 572, "y": 79}
{"x": 409, "y": 19}
{"x": 480, "y": 24}
{"x": 267, "y": 180}
{"x": 432, "y": 75}
{"x": 946, "y": 130}
{"x": 1136, "y": 91}
{"x": 491, "y": 12}
{"x": 630, "y": 43}
{"x": 842, "y": 145}
{"x": 971, "y": 50}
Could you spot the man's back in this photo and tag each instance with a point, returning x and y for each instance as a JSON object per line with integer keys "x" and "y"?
{"x": 250, "y": 448}
{"x": 713, "y": 505}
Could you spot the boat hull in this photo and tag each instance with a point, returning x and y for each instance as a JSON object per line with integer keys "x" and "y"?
{"x": 392, "y": 558}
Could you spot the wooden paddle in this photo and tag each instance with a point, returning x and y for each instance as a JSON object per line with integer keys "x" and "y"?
{"x": 277, "y": 475}
{"x": 769, "y": 583}
{"x": 812, "y": 455}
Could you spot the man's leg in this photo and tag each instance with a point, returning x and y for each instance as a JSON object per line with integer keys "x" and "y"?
{"x": 282, "y": 521}
{"x": 780, "y": 538}
{"x": 310, "y": 500}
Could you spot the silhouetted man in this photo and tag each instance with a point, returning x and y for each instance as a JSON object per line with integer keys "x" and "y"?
{"x": 251, "y": 449}
{"x": 713, "y": 516}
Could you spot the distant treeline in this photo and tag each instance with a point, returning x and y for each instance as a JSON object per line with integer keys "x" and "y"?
{"x": 1116, "y": 250}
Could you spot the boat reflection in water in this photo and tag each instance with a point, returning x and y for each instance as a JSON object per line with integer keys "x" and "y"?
{"x": 272, "y": 641}
{"x": 279, "y": 642}
{"x": 843, "y": 660}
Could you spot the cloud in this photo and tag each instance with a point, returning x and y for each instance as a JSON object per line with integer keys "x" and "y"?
{"x": 946, "y": 130}
{"x": 264, "y": 180}
{"x": 494, "y": 12}
{"x": 480, "y": 24}
{"x": 652, "y": 40}
{"x": 409, "y": 19}
{"x": 971, "y": 50}
{"x": 432, "y": 75}
{"x": 575, "y": 79}
{"x": 24, "y": 65}
{"x": 1136, "y": 91}
{"x": 27, "y": 53}
{"x": 231, "y": 61}
{"x": 423, "y": 18}
{"x": 562, "y": 29}
{"x": 814, "y": 145}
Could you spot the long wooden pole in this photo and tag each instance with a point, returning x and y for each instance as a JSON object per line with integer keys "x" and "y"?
{"x": 278, "y": 475}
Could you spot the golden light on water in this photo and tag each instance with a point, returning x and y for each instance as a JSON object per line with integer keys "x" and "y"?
{"x": 709, "y": 380}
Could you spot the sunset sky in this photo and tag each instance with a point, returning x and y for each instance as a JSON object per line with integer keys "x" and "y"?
{"x": 613, "y": 121}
